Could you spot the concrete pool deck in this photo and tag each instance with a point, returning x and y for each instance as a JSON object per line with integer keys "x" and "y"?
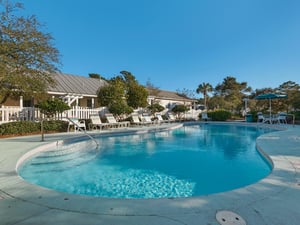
{"x": 275, "y": 200}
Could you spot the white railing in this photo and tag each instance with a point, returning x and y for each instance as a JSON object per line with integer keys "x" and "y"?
{"x": 15, "y": 113}
{"x": 82, "y": 113}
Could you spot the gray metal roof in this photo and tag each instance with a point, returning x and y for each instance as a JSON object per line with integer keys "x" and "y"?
{"x": 86, "y": 86}
{"x": 71, "y": 84}
{"x": 162, "y": 94}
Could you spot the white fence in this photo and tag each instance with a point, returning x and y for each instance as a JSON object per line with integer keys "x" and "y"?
{"x": 15, "y": 113}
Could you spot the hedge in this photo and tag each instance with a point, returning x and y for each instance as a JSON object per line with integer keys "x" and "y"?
{"x": 219, "y": 115}
{"x": 29, "y": 127}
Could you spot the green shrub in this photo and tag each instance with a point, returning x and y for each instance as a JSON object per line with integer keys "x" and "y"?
{"x": 179, "y": 110}
{"x": 49, "y": 107}
{"x": 29, "y": 127}
{"x": 297, "y": 115}
{"x": 219, "y": 115}
{"x": 119, "y": 108}
{"x": 154, "y": 108}
{"x": 19, "y": 128}
{"x": 55, "y": 126}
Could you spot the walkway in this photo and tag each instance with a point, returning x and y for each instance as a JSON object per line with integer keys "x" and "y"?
{"x": 274, "y": 200}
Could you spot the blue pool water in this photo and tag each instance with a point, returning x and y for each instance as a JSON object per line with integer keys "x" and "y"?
{"x": 189, "y": 161}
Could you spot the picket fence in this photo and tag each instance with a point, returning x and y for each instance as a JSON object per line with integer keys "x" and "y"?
{"x": 15, "y": 113}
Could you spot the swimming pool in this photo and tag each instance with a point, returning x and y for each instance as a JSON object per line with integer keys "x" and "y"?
{"x": 189, "y": 161}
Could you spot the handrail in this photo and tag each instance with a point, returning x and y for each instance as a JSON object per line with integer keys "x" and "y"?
{"x": 79, "y": 128}
{"x": 293, "y": 118}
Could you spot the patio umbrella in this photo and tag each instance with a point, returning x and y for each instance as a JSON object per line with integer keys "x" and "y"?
{"x": 270, "y": 96}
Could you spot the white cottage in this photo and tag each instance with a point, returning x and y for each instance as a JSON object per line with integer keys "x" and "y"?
{"x": 81, "y": 94}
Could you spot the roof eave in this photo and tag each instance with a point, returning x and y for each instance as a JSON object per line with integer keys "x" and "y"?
{"x": 64, "y": 93}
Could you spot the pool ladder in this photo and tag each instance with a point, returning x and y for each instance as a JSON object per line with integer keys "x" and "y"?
{"x": 84, "y": 130}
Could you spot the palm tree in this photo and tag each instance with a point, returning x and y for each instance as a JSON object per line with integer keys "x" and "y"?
{"x": 204, "y": 88}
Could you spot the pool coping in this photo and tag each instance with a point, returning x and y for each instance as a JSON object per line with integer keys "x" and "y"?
{"x": 273, "y": 200}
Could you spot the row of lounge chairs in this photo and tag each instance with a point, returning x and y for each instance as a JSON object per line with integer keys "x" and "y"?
{"x": 145, "y": 119}
{"x": 279, "y": 118}
{"x": 111, "y": 122}
{"x": 141, "y": 120}
{"x": 96, "y": 123}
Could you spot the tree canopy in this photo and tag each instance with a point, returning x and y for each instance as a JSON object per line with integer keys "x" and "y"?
{"x": 292, "y": 89}
{"x": 95, "y": 75}
{"x": 154, "y": 108}
{"x": 229, "y": 94}
{"x": 27, "y": 55}
{"x": 50, "y": 107}
{"x": 111, "y": 93}
{"x": 136, "y": 94}
{"x": 179, "y": 110}
{"x": 122, "y": 94}
{"x": 204, "y": 88}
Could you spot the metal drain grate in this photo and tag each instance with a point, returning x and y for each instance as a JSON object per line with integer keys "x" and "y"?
{"x": 229, "y": 218}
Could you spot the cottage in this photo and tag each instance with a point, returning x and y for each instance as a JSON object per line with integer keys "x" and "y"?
{"x": 168, "y": 99}
{"x": 77, "y": 90}
{"x": 81, "y": 94}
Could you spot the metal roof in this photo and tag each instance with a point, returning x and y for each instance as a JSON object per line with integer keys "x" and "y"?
{"x": 86, "y": 86}
{"x": 72, "y": 84}
{"x": 162, "y": 94}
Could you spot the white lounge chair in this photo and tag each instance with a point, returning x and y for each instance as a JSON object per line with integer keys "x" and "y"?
{"x": 146, "y": 119}
{"x": 77, "y": 124}
{"x": 260, "y": 117}
{"x": 204, "y": 116}
{"x": 280, "y": 119}
{"x": 96, "y": 122}
{"x": 113, "y": 122}
{"x": 160, "y": 119}
{"x": 138, "y": 120}
{"x": 171, "y": 117}
{"x": 135, "y": 120}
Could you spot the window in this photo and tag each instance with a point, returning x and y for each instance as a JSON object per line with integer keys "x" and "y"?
{"x": 89, "y": 103}
{"x": 28, "y": 103}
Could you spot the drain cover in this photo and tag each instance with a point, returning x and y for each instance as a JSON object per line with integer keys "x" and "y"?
{"x": 229, "y": 218}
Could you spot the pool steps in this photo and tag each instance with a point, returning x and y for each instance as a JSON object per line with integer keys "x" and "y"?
{"x": 63, "y": 156}
{"x": 48, "y": 154}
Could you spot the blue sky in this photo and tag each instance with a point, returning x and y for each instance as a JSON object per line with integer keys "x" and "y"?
{"x": 177, "y": 44}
